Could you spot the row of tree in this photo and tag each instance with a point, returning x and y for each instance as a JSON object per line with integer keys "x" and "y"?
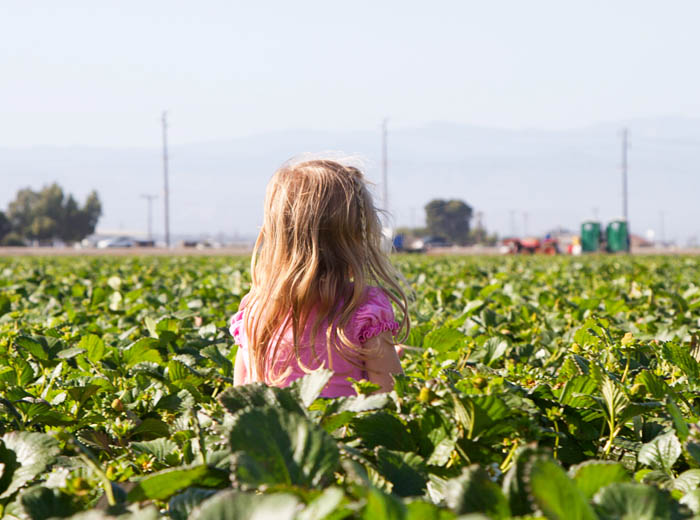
{"x": 47, "y": 215}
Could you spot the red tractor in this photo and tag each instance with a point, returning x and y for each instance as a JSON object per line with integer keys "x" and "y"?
{"x": 531, "y": 246}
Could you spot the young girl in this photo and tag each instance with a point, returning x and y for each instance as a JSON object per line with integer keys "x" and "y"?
{"x": 321, "y": 288}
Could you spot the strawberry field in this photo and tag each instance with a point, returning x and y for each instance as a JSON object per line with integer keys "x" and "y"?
{"x": 537, "y": 388}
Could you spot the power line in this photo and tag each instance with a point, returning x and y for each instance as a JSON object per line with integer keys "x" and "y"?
{"x": 166, "y": 194}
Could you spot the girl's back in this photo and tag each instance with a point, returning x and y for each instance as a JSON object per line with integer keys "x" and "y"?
{"x": 373, "y": 317}
{"x": 322, "y": 291}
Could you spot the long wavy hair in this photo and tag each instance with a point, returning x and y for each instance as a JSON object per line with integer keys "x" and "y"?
{"x": 319, "y": 249}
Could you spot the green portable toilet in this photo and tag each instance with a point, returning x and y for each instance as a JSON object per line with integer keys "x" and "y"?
{"x": 590, "y": 236}
{"x": 618, "y": 236}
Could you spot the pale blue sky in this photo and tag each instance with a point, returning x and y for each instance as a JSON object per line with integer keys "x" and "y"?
{"x": 79, "y": 72}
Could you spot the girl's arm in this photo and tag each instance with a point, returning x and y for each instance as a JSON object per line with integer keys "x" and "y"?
{"x": 239, "y": 369}
{"x": 382, "y": 361}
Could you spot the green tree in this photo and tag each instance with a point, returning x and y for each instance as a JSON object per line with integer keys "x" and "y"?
{"x": 49, "y": 214}
{"x": 449, "y": 219}
{"x": 5, "y": 226}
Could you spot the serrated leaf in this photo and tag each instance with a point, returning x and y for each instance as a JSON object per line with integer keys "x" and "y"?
{"x": 94, "y": 346}
{"x": 687, "y": 481}
{"x": 593, "y": 475}
{"x": 474, "y": 492}
{"x": 383, "y": 429}
{"x": 159, "y": 448}
{"x": 41, "y": 503}
{"x": 323, "y": 505}
{"x": 444, "y": 339}
{"x": 181, "y": 505}
{"x": 661, "y": 453}
{"x": 406, "y": 471}
{"x": 238, "y": 398}
{"x": 311, "y": 385}
{"x": 381, "y": 506}
{"x": 233, "y": 505}
{"x": 25, "y": 456}
{"x": 166, "y": 483}
{"x": 274, "y": 446}
{"x": 556, "y": 494}
{"x": 630, "y": 500}
{"x": 140, "y": 351}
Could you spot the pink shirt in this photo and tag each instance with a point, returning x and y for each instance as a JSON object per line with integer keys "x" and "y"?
{"x": 371, "y": 318}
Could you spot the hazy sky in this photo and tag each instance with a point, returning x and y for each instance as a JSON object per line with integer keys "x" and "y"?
{"x": 86, "y": 72}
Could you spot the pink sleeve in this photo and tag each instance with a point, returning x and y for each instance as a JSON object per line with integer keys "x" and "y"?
{"x": 236, "y": 324}
{"x": 374, "y": 316}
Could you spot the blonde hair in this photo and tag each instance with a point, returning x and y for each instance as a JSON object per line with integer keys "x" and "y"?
{"x": 318, "y": 250}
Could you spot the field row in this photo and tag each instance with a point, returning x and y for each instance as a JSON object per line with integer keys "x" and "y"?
{"x": 540, "y": 388}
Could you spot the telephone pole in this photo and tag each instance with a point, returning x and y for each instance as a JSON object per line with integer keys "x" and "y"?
{"x": 385, "y": 167}
{"x": 625, "y": 145}
{"x": 150, "y": 198}
{"x": 165, "y": 179}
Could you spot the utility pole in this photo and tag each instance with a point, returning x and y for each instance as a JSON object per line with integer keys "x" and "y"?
{"x": 385, "y": 167}
{"x": 625, "y": 145}
{"x": 166, "y": 196}
{"x": 150, "y": 198}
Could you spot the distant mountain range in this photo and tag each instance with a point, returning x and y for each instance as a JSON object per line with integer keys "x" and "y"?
{"x": 522, "y": 180}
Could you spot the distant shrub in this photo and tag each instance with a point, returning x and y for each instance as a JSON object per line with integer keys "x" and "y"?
{"x": 12, "y": 239}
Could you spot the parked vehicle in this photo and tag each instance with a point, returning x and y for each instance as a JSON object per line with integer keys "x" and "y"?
{"x": 116, "y": 242}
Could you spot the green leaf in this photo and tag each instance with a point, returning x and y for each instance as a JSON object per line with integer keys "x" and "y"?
{"x": 492, "y": 350}
{"x": 406, "y": 471}
{"x": 151, "y": 427}
{"x": 25, "y": 456}
{"x": 631, "y": 501}
{"x": 274, "y": 446}
{"x": 692, "y": 501}
{"x": 419, "y": 510}
{"x": 661, "y": 453}
{"x": 166, "y": 483}
{"x": 35, "y": 347}
{"x": 576, "y": 391}
{"x": 238, "y": 398}
{"x": 94, "y": 346}
{"x": 515, "y": 481}
{"x": 311, "y": 385}
{"x": 212, "y": 352}
{"x": 556, "y": 494}
{"x": 159, "y": 448}
{"x": 654, "y": 384}
{"x": 41, "y": 503}
{"x": 677, "y": 416}
{"x": 474, "y": 492}
{"x": 181, "y": 506}
{"x": 444, "y": 339}
{"x": 383, "y": 429}
{"x": 381, "y": 506}
{"x": 234, "y": 505}
{"x": 323, "y": 505}
{"x": 593, "y": 475}
{"x": 140, "y": 351}
{"x": 687, "y": 481}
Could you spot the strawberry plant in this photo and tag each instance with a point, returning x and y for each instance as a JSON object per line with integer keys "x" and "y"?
{"x": 533, "y": 388}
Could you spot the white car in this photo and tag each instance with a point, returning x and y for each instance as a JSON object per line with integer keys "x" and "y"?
{"x": 116, "y": 242}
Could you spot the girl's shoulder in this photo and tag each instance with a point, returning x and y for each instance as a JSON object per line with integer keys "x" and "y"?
{"x": 373, "y": 316}
{"x": 236, "y": 323}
